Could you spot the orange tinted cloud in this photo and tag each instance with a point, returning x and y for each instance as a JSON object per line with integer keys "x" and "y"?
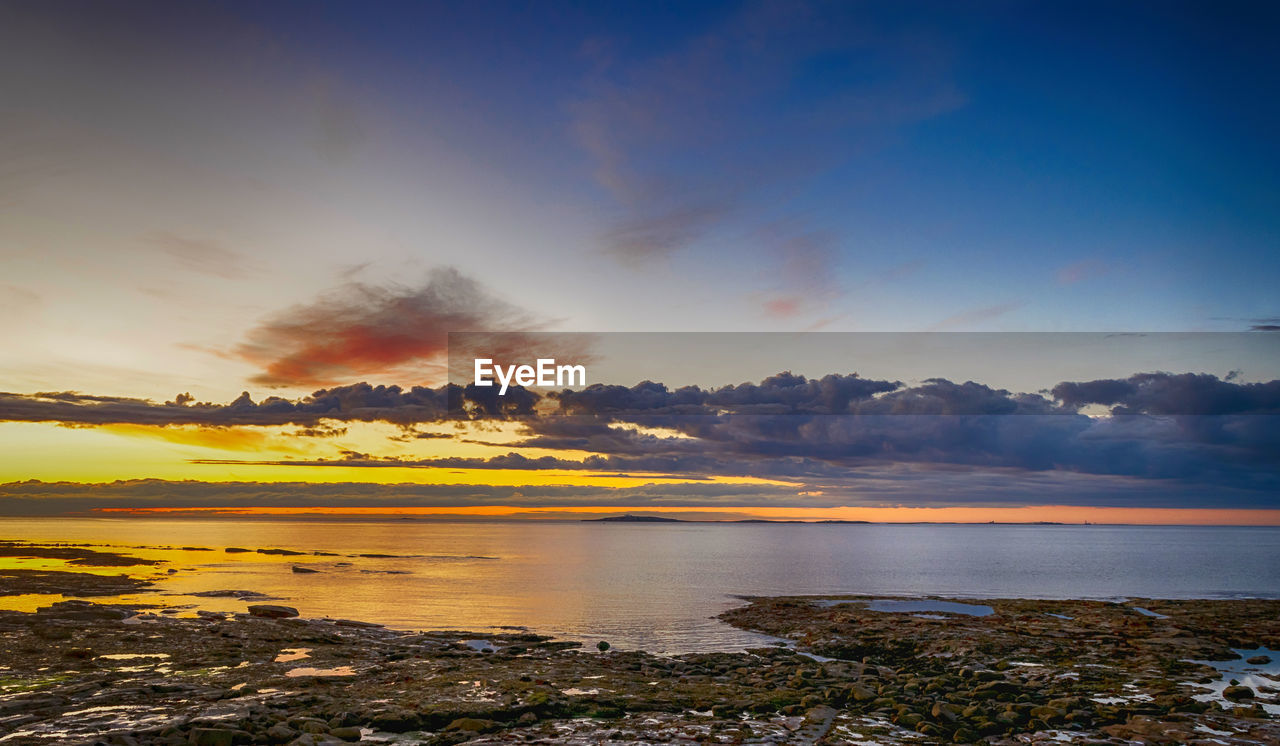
{"x": 360, "y": 329}
{"x": 222, "y": 438}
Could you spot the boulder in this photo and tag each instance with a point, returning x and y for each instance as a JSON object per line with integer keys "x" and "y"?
{"x": 212, "y": 737}
{"x": 473, "y": 725}
{"x": 281, "y": 733}
{"x": 272, "y": 611}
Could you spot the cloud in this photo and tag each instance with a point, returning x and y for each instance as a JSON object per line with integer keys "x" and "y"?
{"x": 1167, "y": 393}
{"x": 222, "y": 438}
{"x": 199, "y": 255}
{"x": 359, "y": 402}
{"x": 1087, "y": 269}
{"x": 779, "y": 394}
{"x": 759, "y": 103}
{"x": 61, "y": 498}
{"x": 657, "y": 234}
{"x": 1180, "y": 430}
{"x": 1201, "y": 437}
{"x": 1186, "y": 428}
{"x": 888, "y": 486}
{"x": 976, "y": 316}
{"x": 805, "y": 278}
{"x": 360, "y": 329}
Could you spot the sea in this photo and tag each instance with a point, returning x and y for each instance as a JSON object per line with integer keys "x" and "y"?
{"x": 651, "y": 586}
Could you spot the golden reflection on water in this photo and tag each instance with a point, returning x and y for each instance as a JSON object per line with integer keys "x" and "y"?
{"x": 656, "y": 586}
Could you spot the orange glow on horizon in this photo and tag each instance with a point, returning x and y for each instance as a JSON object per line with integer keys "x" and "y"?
{"x": 1066, "y": 514}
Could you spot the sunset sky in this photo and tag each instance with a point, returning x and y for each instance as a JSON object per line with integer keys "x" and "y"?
{"x": 234, "y": 239}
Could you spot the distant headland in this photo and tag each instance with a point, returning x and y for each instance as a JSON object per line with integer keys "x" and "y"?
{"x": 629, "y": 518}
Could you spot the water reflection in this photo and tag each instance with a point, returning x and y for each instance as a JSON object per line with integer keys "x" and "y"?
{"x": 651, "y": 586}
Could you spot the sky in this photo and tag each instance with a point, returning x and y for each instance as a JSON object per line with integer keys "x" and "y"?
{"x": 207, "y": 205}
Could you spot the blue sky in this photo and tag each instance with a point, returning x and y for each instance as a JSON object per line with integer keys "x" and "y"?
{"x": 644, "y": 166}
{"x": 1060, "y": 165}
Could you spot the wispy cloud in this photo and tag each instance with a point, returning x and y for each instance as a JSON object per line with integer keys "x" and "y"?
{"x": 658, "y": 233}
{"x": 199, "y": 254}
{"x": 18, "y": 301}
{"x": 806, "y": 276}
{"x": 975, "y": 316}
{"x": 1087, "y": 269}
{"x": 695, "y": 132}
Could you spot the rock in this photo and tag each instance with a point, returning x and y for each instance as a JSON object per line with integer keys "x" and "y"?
{"x": 474, "y": 725}
{"x": 211, "y": 737}
{"x": 909, "y": 719}
{"x": 304, "y": 570}
{"x": 271, "y": 611}
{"x": 243, "y": 595}
{"x": 236, "y": 550}
{"x": 312, "y": 739}
{"x": 346, "y": 733}
{"x": 1048, "y": 714}
{"x": 944, "y": 711}
{"x": 602, "y": 646}
{"x": 345, "y": 719}
{"x": 1237, "y": 693}
{"x": 51, "y": 632}
{"x": 396, "y": 721}
{"x": 1000, "y": 686}
{"x": 85, "y": 611}
{"x": 1259, "y": 660}
{"x": 281, "y": 733}
{"x": 527, "y": 719}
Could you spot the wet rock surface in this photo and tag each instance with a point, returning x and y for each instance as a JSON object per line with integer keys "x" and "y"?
{"x": 82, "y": 673}
{"x": 19, "y": 581}
{"x": 72, "y": 554}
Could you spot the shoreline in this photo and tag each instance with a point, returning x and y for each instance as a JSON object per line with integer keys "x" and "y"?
{"x": 829, "y": 669}
{"x": 1026, "y": 670}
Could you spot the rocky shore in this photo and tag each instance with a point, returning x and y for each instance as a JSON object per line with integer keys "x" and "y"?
{"x": 846, "y": 671}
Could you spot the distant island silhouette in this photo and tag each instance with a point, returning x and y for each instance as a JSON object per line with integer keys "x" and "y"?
{"x": 628, "y": 518}
{"x": 635, "y": 519}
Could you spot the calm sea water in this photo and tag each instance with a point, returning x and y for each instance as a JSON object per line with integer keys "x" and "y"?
{"x": 658, "y": 586}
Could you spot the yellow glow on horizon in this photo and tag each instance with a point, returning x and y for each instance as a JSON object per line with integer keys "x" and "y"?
{"x": 51, "y": 453}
